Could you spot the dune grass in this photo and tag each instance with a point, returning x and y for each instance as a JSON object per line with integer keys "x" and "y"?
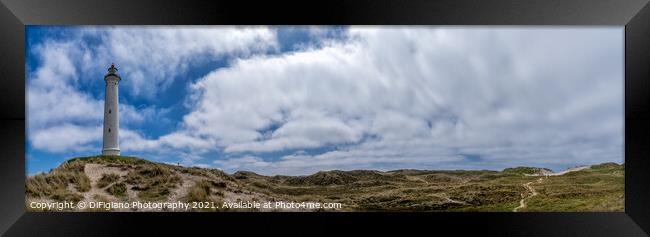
{"x": 107, "y": 179}
{"x": 599, "y": 188}
{"x": 200, "y": 192}
{"x": 60, "y": 183}
{"x": 117, "y": 190}
{"x": 152, "y": 181}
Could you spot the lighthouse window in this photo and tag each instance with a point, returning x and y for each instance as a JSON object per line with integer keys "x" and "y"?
{"x": 109, "y": 130}
{"x": 109, "y": 111}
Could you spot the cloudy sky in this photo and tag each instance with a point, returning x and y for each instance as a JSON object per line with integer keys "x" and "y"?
{"x": 297, "y": 100}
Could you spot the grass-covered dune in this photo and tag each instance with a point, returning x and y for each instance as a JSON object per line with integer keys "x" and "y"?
{"x": 120, "y": 178}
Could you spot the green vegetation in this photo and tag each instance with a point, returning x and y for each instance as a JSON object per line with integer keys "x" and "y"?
{"x": 124, "y": 160}
{"x": 107, "y": 179}
{"x": 118, "y": 189}
{"x": 205, "y": 191}
{"x": 525, "y": 170}
{"x": 200, "y": 192}
{"x": 152, "y": 181}
{"x": 60, "y": 183}
{"x": 62, "y": 195}
{"x": 599, "y": 188}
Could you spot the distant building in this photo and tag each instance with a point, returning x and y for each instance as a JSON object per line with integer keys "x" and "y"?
{"x": 111, "y": 146}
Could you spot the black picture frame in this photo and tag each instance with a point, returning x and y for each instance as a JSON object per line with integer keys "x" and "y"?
{"x": 634, "y": 15}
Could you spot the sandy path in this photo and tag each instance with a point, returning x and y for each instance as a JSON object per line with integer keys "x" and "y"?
{"x": 569, "y": 170}
{"x": 560, "y": 173}
{"x": 522, "y": 203}
{"x": 187, "y": 181}
{"x": 94, "y": 173}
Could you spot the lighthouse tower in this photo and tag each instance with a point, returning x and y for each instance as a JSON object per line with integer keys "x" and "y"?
{"x": 111, "y": 145}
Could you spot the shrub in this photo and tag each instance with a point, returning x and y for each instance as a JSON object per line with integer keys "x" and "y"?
{"x": 526, "y": 170}
{"x": 107, "y": 179}
{"x": 218, "y": 184}
{"x": 52, "y": 184}
{"x": 65, "y": 195}
{"x": 118, "y": 189}
{"x": 200, "y": 192}
{"x": 152, "y": 181}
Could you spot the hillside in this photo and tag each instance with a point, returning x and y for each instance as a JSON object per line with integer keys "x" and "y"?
{"x": 128, "y": 179}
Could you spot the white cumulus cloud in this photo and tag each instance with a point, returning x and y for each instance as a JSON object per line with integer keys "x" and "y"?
{"x": 377, "y": 98}
{"x": 149, "y": 58}
{"x": 509, "y": 96}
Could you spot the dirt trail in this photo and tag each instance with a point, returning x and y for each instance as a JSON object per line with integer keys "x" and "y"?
{"x": 530, "y": 189}
{"x": 522, "y": 203}
{"x": 94, "y": 173}
{"x": 187, "y": 181}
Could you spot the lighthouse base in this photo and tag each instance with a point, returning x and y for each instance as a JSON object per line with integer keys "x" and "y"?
{"x": 111, "y": 152}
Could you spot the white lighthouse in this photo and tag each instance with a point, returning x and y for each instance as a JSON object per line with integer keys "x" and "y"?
{"x": 111, "y": 145}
